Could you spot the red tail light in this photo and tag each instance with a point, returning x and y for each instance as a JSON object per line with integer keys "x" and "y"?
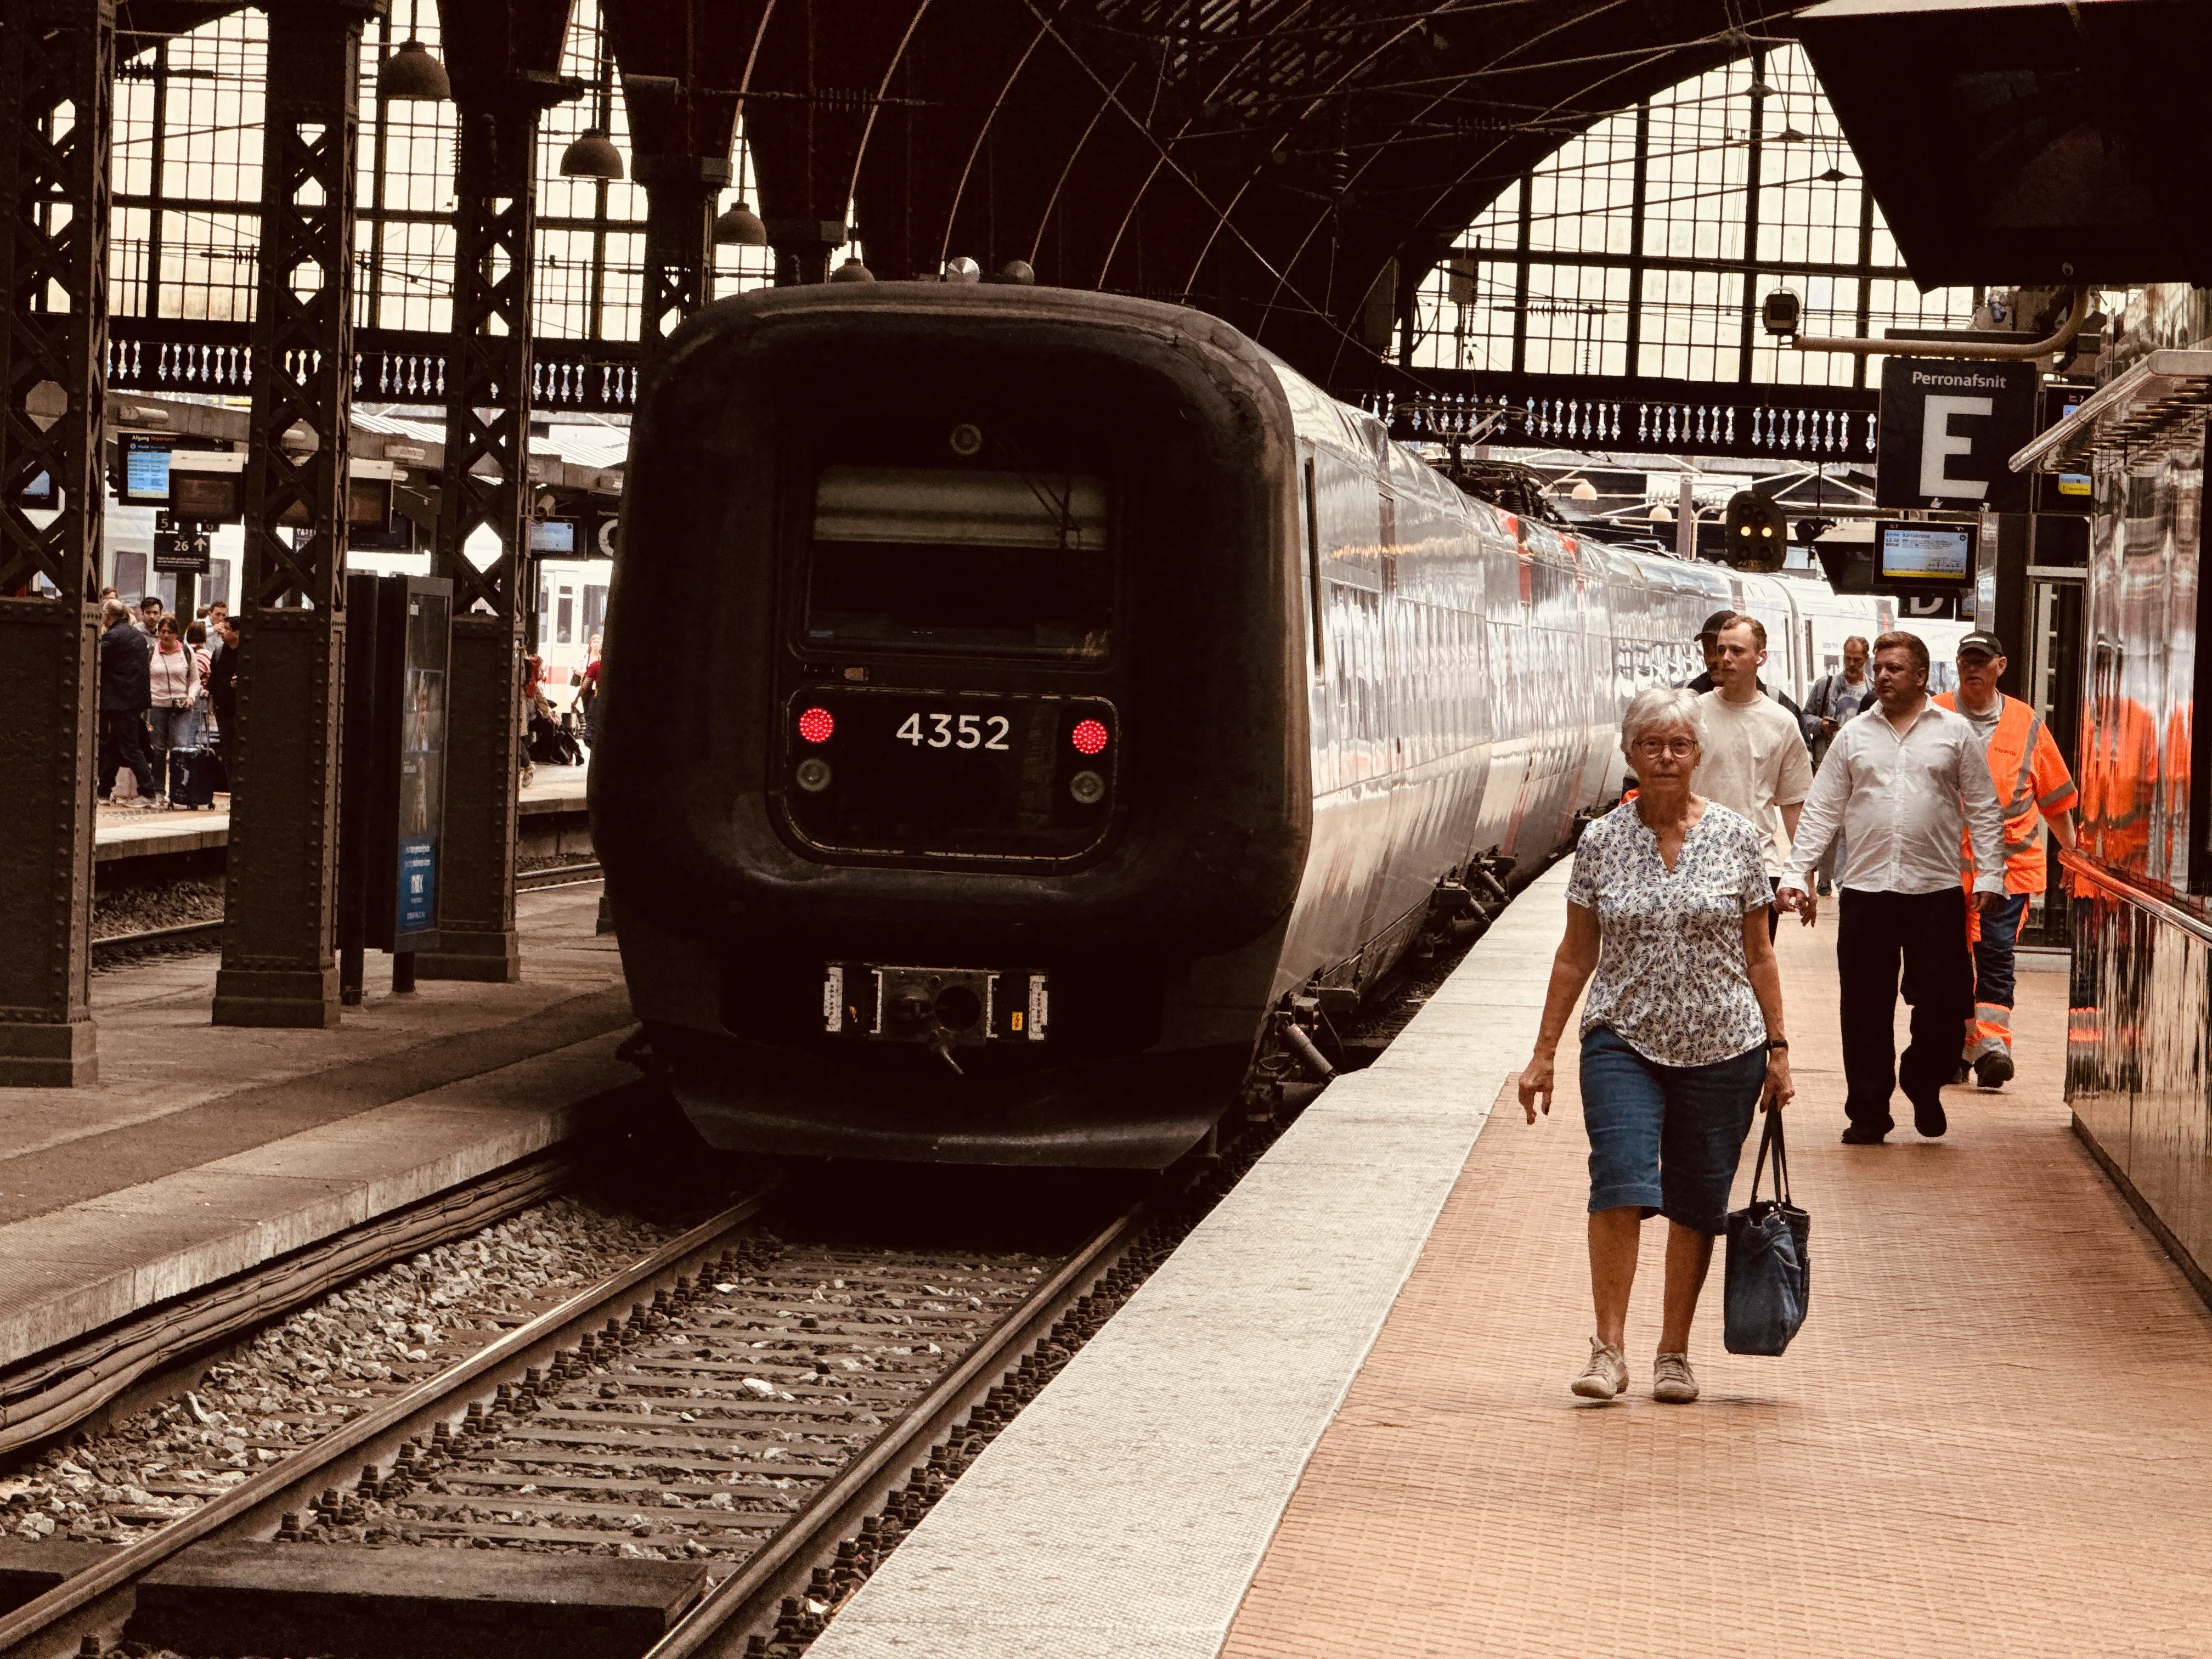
{"x": 815, "y": 724}
{"x": 1088, "y": 736}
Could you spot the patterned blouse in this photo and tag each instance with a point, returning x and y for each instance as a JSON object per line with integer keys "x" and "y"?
{"x": 1671, "y": 981}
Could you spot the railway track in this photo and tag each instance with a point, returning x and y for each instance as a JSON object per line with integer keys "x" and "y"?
{"x": 759, "y": 1416}
{"x": 717, "y": 1444}
{"x": 206, "y": 935}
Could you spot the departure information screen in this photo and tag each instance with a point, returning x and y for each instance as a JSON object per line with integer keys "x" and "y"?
{"x": 1932, "y": 553}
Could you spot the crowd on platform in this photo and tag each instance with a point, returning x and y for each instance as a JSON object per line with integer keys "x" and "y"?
{"x": 168, "y": 696}
{"x": 168, "y": 689}
{"x": 1924, "y": 815}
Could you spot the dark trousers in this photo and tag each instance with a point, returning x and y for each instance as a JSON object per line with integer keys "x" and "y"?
{"x": 123, "y": 743}
{"x": 1926, "y": 932}
{"x": 1994, "y": 966}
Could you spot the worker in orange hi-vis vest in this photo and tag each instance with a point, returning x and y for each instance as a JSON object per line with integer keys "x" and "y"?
{"x": 2033, "y": 788}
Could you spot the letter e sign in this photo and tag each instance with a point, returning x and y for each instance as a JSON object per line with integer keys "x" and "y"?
{"x": 1949, "y": 427}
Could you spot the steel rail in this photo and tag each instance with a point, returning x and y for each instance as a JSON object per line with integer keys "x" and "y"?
{"x": 81, "y": 1604}
{"x": 745, "y": 1602}
{"x": 42, "y": 1398}
{"x": 210, "y": 933}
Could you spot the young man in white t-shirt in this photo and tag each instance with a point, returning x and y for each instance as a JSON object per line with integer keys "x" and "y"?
{"x": 1755, "y": 762}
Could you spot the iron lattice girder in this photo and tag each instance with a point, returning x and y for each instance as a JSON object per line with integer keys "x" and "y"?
{"x": 279, "y": 896}
{"x": 303, "y": 325}
{"x": 54, "y": 54}
{"x": 487, "y": 402}
{"x": 57, "y": 84}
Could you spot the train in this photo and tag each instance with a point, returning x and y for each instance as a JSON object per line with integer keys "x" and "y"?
{"x": 1032, "y": 716}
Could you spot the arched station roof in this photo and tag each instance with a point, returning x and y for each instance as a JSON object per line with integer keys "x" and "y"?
{"x": 1270, "y": 160}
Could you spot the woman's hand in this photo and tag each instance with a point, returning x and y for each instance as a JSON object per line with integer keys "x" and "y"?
{"x": 1536, "y": 1084}
{"x": 1777, "y": 1092}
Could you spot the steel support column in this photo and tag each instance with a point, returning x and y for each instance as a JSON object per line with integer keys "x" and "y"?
{"x": 680, "y": 193}
{"x": 57, "y": 92}
{"x": 486, "y": 495}
{"x": 280, "y": 899}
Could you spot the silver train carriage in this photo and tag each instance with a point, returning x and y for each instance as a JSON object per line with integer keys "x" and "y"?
{"x": 1019, "y": 702}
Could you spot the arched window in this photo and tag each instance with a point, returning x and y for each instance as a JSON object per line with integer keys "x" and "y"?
{"x": 1643, "y": 247}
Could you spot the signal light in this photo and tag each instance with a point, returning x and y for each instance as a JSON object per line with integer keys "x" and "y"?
{"x": 1088, "y": 736}
{"x": 815, "y": 724}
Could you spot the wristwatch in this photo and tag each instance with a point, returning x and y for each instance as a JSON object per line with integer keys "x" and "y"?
{"x": 1772, "y": 1043}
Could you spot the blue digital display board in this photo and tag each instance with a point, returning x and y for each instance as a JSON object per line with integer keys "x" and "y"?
{"x": 145, "y": 470}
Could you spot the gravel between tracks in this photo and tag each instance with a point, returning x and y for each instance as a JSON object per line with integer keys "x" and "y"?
{"x": 157, "y": 904}
{"x": 300, "y": 1378}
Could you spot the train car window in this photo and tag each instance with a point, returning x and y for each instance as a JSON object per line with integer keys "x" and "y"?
{"x": 915, "y": 558}
{"x": 1314, "y": 594}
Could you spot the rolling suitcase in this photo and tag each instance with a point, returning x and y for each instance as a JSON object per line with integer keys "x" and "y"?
{"x": 192, "y": 777}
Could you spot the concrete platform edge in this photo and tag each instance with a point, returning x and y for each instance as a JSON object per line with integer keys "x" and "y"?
{"x": 73, "y": 1270}
{"x": 1126, "y": 1511}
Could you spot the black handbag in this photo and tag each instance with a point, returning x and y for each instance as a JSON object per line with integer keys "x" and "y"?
{"x": 1769, "y": 1274}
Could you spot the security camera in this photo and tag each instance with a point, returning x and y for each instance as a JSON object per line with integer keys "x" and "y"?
{"x": 1780, "y": 312}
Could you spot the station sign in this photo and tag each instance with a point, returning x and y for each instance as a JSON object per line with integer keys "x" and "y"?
{"x": 1949, "y": 427}
{"x": 185, "y": 552}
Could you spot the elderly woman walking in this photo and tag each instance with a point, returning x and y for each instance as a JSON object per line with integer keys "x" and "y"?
{"x": 1682, "y": 1039}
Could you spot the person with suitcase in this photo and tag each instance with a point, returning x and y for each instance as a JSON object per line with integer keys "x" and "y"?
{"x": 173, "y": 686}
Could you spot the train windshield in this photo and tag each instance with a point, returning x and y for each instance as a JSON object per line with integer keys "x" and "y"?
{"x": 917, "y": 558}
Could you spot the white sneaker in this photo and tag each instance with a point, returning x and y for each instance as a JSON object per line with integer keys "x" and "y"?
{"x": 1673, "y": 1381}
{"x": 1606, "y": 1376}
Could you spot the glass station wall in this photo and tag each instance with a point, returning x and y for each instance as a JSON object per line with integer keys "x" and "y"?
{"x": 1643, "y": 247}
{"x": 187, "y": 180}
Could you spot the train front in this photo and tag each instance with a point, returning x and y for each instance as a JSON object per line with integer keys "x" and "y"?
{"x": 952, "y": 779}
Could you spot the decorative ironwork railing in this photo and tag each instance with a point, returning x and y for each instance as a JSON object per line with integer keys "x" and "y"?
{"x": 394, "y": 366}
{"x": 1671, "y": 417}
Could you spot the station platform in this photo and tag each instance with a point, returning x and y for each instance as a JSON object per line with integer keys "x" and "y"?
{"x": 1337, "y": 1421}
{"x": 129, "y": 831}
{"x": 206, "y": 1149}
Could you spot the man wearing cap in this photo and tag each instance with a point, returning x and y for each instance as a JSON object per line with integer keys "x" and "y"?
{"x": 2033, "y": 788}
{"x": 1709, "y": 644}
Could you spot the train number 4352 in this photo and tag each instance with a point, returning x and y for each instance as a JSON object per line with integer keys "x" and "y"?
{"x": 957, "y": 731}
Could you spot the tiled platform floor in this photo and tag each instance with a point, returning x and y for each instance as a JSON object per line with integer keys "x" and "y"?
{"x": 1994, "y": 1435}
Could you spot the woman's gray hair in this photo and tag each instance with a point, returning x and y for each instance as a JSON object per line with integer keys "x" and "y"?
{"x": 1649, "y": 711}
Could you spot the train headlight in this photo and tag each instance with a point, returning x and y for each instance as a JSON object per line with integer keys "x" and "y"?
{"x": 1088, "y": 787}
{"x": 815, "y": 724}
{"x": 813, "y": 774}
{"x": 1088, "y": 736}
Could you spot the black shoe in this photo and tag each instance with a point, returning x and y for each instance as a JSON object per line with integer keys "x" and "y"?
{"x": 1965, "y": 1070}
{"x": 1864, "y": 1134}
{"x": 1993, "y": 1070}
{"x": 1927, "y": 1117}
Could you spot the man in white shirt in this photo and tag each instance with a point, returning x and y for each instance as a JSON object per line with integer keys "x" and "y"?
{"x": 1905, "y": 782}
{"x": 1755, "y": 763}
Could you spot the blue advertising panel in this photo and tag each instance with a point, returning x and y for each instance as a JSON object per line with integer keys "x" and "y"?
{"x": 422, "y": 764}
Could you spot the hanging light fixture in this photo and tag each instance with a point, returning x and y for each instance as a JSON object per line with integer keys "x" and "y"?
{"x": 852, "y": 271}
{"x": 738, "y": 226}
{"x": 411, "y": 75}
{"x": 592, "y": 155}
{"x": 1834, "y": 176}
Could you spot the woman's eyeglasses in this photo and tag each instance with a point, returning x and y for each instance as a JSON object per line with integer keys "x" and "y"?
{"x": 1680, "y": 748}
